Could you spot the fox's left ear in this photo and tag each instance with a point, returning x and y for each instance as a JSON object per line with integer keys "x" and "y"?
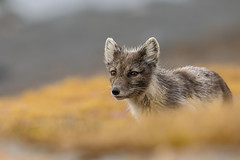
{"x": 111, "y": 48}
{"x": 151, "y": 50}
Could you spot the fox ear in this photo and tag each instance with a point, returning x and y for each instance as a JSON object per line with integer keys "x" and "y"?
{"x": 151, "y": 50}
{"x": 111, "y": 47}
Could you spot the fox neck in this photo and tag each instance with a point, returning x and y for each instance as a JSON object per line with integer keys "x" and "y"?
{"x": 151, "y": 100}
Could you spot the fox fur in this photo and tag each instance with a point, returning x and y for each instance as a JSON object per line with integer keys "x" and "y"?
{"x": 137, "y": 77}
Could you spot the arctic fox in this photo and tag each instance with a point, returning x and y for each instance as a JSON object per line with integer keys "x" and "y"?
{"x": 136, "y": 76}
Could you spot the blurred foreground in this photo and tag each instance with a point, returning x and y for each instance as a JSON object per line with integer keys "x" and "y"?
{"x": 80, "y": 118}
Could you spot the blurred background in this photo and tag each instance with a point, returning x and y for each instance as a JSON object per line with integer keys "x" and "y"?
{"x": 48, "y": 40}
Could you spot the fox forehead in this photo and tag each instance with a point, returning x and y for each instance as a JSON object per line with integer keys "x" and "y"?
{"x": 126, "y": 61}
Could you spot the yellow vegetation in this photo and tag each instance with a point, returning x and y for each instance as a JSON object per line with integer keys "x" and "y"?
{"x": 81, "y": 114}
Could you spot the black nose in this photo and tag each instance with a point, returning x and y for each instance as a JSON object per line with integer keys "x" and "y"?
{"x": 115, "y": 91}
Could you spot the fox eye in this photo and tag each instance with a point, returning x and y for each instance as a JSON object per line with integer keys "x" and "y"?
{"x": 113, "y": 73}
{"x": 133, "y": 73}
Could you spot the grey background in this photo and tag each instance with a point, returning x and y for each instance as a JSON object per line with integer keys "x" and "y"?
{"x": 44, "y": 48}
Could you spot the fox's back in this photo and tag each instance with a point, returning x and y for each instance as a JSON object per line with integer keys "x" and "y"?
{"x": 202, "y": 83}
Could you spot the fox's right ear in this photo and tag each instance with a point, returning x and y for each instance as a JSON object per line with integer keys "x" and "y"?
{"x": 111, "y": 47}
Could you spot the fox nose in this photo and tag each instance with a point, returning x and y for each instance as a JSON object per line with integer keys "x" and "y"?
{"x": 115, "y": 91}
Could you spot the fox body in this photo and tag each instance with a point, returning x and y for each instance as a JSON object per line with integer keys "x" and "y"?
{"x": 136, "y": 76}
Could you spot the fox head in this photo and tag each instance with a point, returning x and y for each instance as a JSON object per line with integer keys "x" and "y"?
{"x": 130, "y": 70}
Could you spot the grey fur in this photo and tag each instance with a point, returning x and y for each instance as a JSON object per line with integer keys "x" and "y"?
{"x": 154, "y": 88}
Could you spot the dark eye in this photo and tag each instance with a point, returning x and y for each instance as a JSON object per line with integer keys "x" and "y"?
{"x": 133, "y": 73}
{"x": 113, "y": 73}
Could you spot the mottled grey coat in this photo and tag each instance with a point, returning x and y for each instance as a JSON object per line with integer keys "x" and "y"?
{"x": 136, "y": 76}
